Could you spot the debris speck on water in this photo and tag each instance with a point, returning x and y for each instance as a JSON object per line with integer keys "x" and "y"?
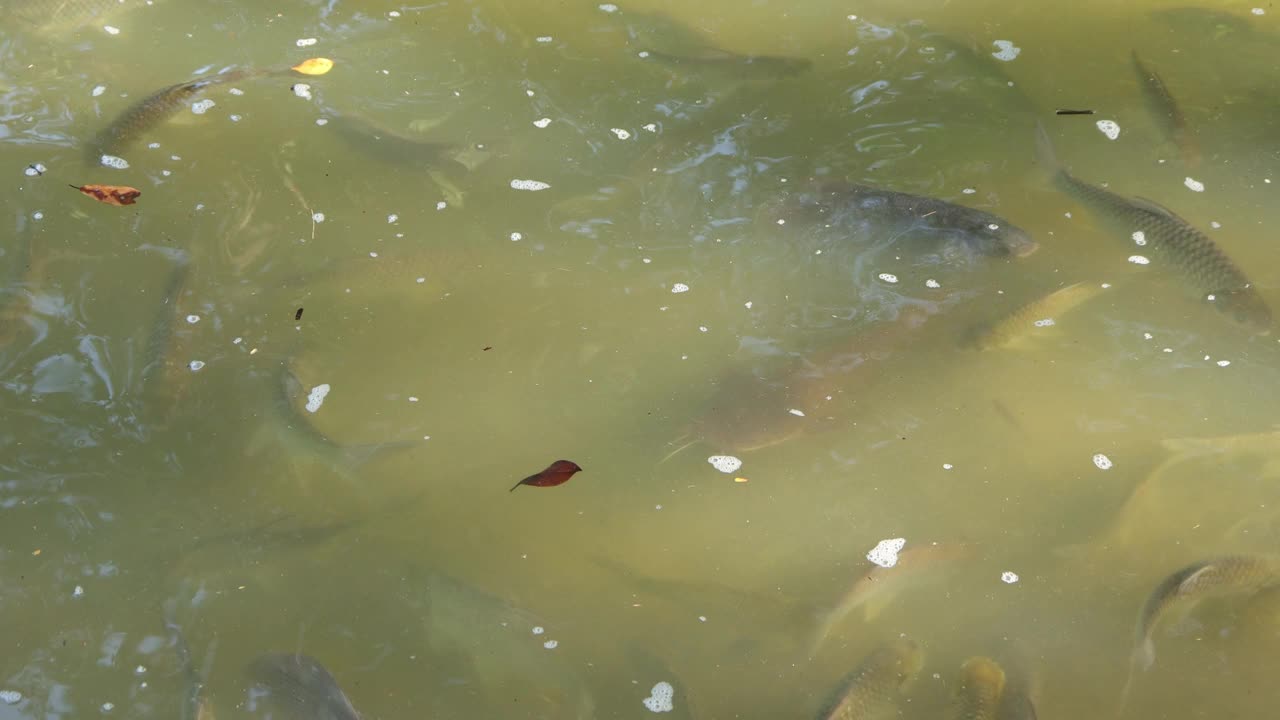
{"x": 78, "y": 592}
{"x": 725, "y": 463}
{"x": 1102, "y": 461}
{"x": 111, "y": 30}
{"x": 797, "y": 413}
{"x": 35, "y": 169}
{"x": 661, "y": 698}
{"x": 316, "y": 397}
{"x": 885, "y": 553}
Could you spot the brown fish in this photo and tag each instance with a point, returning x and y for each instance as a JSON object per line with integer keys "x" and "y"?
{"x": 872, "y": 691}
{"x": 557, "y": 473}
{"x": 1164, "y": 108}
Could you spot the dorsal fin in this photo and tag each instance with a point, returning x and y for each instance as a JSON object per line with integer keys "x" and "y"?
{"x": 1155, "y": 207}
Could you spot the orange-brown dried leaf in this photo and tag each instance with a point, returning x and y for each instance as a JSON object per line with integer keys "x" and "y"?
{"x": 314, "y": 66}
{"x": 118, "y": 195}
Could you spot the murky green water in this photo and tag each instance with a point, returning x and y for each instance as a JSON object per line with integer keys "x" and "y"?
{"x": 171, "y": 511}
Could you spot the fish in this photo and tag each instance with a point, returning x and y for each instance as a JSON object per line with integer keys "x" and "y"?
{"x": 492, "y": 638}
{"x": 162, "y": 368}
{"x": 557, "y": 473}
{"x": 873, "y": 689}
{"x": 300, "y": 687}
{"x": 1026, "y": 320}
{"x": 745, "y": 66}
{"x": 52, "y": 16}
{"x": 981, "y": 690}
{"x": 660, "y": 38}
{"x": 748, "y": 413}
{"x": 151, "y": 111}
{"x": 195, "y": 702}
{"x": 953, "y": 228}
{"x": 1222, "y": 576}
{"x": 1217, "y": 577}
{"x": 878, "y": 586}
{"x": 1169, "y": 239}
{"x": 1166, "y": 111}
{"x": 304, "y": 439}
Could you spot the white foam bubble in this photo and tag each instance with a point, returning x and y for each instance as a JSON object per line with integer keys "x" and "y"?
{"x": 111, "y": 30}
{"x": 538, "y": 630}
{"x": 1045, "y": 322}
{"x": 1140, "y": 238}
{"x": 725, "y": 463}
{"x": 1007, "y": 50}
{"x": 679, "y": 288}
{"x": 316, "y": 397}
{"x": 1193, "y": 185}
{"x": 1009, "y": 577}
{"x": 1110, "y": 128}
{"x": 544, "y": 39}
{"x": 651, "y": 127}
{"x": 201, "y": 107}
{"x": 196, "y": 365}
{"x": 1139, "y": 260}
{"x": 302, "y": 90}
{"x": 78, "y": 591}
{"x": 98, "y": 90}
{"x": 112, "y": 161}
{"x": 35, "y": 169}
{"x": 969, "y": 191}
{"x": 11, "y": 697}
{"x": 888, "y": 277}
{"x": 305, "y": 42}
{"x": 931, "y": 283}
{"x": 1223, "y": 363}
{"x": 530, "y": 185}
{"x": 1258, "y": 11}
{"x": 392, "y": 218}
{"x": 317, "y": 217}
{"x": 661, "y": 698}
{"x": 1102, "y": 461}
{"x": 542, "y": 122}
{"x": 797, "y": 413}
{"x": 620, "y": 133}
{"x": 551, "y": 644}
{"x": 516, "y": 237}
{"x": 885, "y": 553}
{"x": 193, "y": 319}
{"x": 608, "y": 7}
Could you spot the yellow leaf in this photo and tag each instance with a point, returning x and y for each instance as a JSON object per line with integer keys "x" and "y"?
{"x": 314, "y": 66}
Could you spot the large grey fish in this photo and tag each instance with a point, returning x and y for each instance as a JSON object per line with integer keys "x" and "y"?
{"x": 920, "y": 219}
{"x": 1166, "y": 111}
{"x": 872, "y": 691}
{"x": 1218, "y": 577}
{"x": 1171, "y": 240}
{"x": 63, "y": 15}
{"x": 148, "y": 113}
{"x": 390, "y": 145}
{"x": 301, "y": 688}
{"x": 981, "y": 690}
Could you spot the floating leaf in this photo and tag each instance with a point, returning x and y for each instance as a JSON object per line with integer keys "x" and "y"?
{"x": 118, "y": 195}
{"x": 314, "y": 66}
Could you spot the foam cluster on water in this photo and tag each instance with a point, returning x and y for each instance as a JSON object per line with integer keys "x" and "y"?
{"x": 661, "y": 698}
{"x": 885, "y": 553}
{"x": 316, "y": 397}
{"x": 725, "y": 463}
{"x": 530, "y": 185}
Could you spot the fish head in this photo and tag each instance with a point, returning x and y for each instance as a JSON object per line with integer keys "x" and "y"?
{"x": 994, "y": 236}
{"x": 1245, "y": 307}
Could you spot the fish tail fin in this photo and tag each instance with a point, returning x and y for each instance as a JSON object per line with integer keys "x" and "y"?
{"x": 1045, "y": 154}
{"x": 823, "y": 623}
{"x": 357, "y": 455}
{"x": 690, "y": 443}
